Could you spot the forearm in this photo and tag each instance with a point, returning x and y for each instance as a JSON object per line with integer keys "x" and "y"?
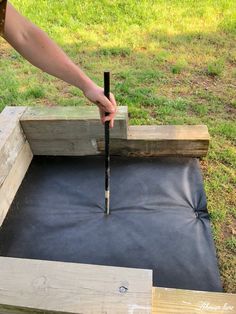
{"x": 35, "y": 46}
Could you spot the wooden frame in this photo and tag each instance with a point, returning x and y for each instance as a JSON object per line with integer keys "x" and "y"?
{"x": 32, "y": 286}
{"x": 78, "y": 131}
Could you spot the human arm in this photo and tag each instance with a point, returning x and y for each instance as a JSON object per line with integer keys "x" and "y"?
{"x": 35, "y": 46}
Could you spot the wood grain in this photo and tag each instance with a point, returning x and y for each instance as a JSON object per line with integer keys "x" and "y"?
{"x": 32, "y": 286}
{"x": 70, "y": 123}
{"x": 69, "y": 147}
{"x": 15, "y": 156}
{"x": 168, "y": 132}
{"x": 77, "y": 131}
{"x": 163, "y": 140}
{"x": 11, "y": 139}
{"x": 13, "y": 180}
{"x": 176, "y": 301}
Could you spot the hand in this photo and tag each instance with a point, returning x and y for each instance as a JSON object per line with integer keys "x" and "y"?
{"x": 96, "y": 95}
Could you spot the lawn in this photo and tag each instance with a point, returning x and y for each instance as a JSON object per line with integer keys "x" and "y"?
{"x": 172, "y": 62}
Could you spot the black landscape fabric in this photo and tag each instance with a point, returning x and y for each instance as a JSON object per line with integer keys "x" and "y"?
{"x": 158, "y": 218}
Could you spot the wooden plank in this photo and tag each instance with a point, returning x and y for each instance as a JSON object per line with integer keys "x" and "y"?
{"x": 163, "y": 140}
{"x": 70, "y": 123}
{"x": 70, "y": 147}
{"x": 12, "y": 139}
{"x": 176, "y": 301}
{"x": 72, "y": 136}
{"x": 13, "y": 180}
{"x": 168, "y": 132}
{"x": 141, "y": 148}
{"x": 68, "y": 113}
{"x": 33, "y": 286}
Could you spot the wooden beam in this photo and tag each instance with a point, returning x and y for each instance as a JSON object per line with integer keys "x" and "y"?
{"x": 69, "y": 147}
{"x": 70, "y": 123}
{"x": 176, "y": 301}
{"x": 168, "y": 132}
{"x": 162, "y": 140}
{"x": 77, "y": 131}
{"x": 68, "y": 131}
{"x": 11, "y": 139}
{"x": 13, "y": 180}
{"x": 15, "y": 156}
{"x": 33, "y": 286}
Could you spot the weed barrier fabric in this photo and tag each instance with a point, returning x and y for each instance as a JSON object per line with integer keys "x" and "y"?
{"x": 158, "y": 218}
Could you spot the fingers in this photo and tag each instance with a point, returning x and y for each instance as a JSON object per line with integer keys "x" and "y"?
{"x": 111, "y": 124}
{"x": 110, "y": 118}
{"x": 102, "y": 115}
{"x": 112, "y": 112}
{"x": 113, "y": 101}
{"x": 112, "y": 115}
{"x": 105, "y": 118}
{"x": 106, "y": 104}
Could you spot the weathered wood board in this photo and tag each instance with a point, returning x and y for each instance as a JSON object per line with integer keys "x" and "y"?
{"x": 168, "y": 132}
{"x": 77, "y": 131}
{"x": 162, "y": 140}
{"x": 177, "y": 301}
{"x": 13, "y": 181}
{"x": 33, "y": 286}
{"x": 66, "y": 123}
{"x": 15, "y": 157}
{"x": 69, "y": 147}
{"x": 11, "y": 138}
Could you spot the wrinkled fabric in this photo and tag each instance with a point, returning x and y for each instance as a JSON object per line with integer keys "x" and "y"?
{"x": 158, "y": 220}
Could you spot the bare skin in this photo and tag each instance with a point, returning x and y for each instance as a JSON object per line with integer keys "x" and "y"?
{"x": 35, "y": 46}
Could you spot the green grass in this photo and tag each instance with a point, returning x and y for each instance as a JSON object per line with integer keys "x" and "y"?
{"x": 172, "y": 62}
{"x": 216, "y": 68}
{"x": 179, "y": 66}
{"x": 231, "y": 243}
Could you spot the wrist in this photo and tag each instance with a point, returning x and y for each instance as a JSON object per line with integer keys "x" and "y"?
{"x": 77, "y": 77}
{"x": 88, "y": 85}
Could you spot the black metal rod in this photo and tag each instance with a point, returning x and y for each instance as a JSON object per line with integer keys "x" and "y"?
{"x": 107, "y": 147}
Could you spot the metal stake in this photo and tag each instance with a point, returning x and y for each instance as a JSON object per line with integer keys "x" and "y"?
{"x": 107, "y": 147}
